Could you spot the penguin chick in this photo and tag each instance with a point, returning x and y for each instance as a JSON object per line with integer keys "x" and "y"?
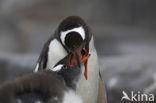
{"x": 53, "y": 86}
{"x": 40, "y": 87}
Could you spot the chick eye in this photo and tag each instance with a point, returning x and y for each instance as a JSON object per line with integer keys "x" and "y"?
{"x": 65, "y": 67}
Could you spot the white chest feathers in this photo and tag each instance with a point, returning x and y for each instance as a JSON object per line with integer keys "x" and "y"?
{"x": 56, "y": 53}
{"x": 88, "y": 89}
{"x": 71, "y": 97}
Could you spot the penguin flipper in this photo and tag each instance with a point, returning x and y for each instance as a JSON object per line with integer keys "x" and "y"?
{"x": 43, "y": 58}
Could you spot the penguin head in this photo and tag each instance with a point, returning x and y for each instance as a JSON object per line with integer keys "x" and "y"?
{"x": 75, "y": 36}
{"x": 73, "y": 33}
{"x": 69, "y": 74}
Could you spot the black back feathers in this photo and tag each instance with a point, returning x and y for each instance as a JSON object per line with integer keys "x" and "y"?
{"x": 70, "y": 23}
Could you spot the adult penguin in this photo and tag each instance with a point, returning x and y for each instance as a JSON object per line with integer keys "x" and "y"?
{"x": 74, "y": 38}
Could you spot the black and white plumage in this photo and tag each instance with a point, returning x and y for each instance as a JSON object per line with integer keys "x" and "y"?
{"x": 74, "y": 36}
{"x": 52, "y": 86}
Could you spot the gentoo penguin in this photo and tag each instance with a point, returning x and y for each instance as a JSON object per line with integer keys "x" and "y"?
{"x": 56, "y": 85}
{"x": 74, "y": 38}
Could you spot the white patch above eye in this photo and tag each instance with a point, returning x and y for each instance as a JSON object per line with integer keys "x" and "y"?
{"x": 57, "y": 68}
{"x": 79, "y": 30}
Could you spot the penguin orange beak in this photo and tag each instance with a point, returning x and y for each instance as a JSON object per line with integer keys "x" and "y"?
{"x": 83, "y": 57}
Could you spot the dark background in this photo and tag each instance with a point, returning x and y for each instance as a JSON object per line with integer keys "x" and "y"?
{"x": 124, "y": 32}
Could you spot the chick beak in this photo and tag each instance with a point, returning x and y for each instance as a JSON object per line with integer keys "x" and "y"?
{"x": 78, "y": 60}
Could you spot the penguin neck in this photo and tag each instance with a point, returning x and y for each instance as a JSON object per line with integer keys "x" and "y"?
{"x": 56, "y": 52}
{"x": 90, "y": 86}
